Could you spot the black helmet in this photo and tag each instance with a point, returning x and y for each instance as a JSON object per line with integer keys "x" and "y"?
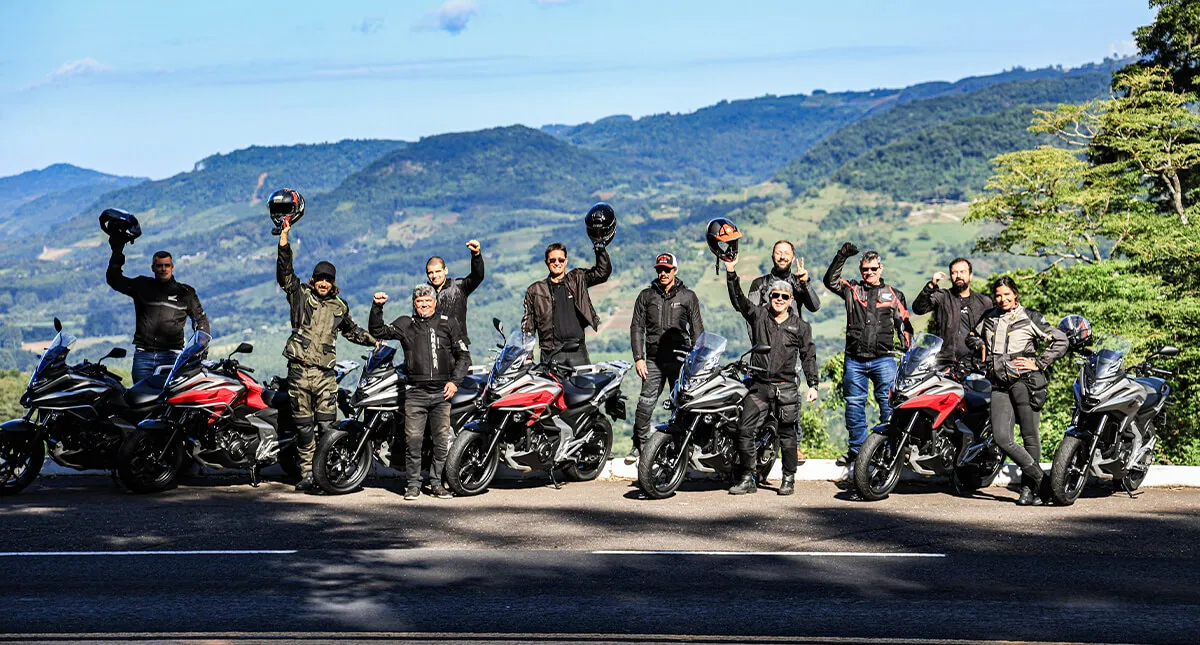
{"x": 722, "y": 230}
{"x": 120, "y": 225}
{"x": 601, "y": 223}
{"x": 1078, "y": 331}
{"x": 285, "y": 203}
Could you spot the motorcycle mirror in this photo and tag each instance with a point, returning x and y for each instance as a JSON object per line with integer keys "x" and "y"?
{"x": 498, "y": 325}
{"x": 116, "y": 352}
{"x": 57, "y": 324}
{"x": 569, "y": 347}
{"x": 244, "y": 348}
{"x": 1168, "y": 350}
{"x": 760, "y": 349}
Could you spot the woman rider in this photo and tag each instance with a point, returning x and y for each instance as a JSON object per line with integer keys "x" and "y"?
{"x": 1008, "y": 336}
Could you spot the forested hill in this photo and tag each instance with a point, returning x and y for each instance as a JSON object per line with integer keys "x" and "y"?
{"x": 746, "y": 141}
{"x": 34, "y": 201}
{"x": 824, "y": 159}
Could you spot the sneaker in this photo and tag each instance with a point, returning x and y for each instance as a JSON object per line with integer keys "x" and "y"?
{"x": 846, "y": 459}
{"x": 632, "y": 457}
{"x": 788, "y": 486}
{"x": 746, "y": 486}
{"x": 412, "y": 492}
{"x": 439, "y": 491}
{"x": 306, "y": 483}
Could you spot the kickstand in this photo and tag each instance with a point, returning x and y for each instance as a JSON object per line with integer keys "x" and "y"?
{"x": 254, "y": 479}
{"x": 113, "y": 474}
{"x": 554, "y": 481}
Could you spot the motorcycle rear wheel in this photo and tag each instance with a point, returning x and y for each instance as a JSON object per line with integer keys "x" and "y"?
{"x": 139, "y": 469}
{"x": 336, "y": 469}
{"x": 21, "y": 458}
{"x": 593, "y": 456}
{"x": 873, "y": 478}
{"x": 980, "y": 473}
{"x": 1069, "y": 472}
{"x": 468, "y": 470}
{"x": 663, "y": 465}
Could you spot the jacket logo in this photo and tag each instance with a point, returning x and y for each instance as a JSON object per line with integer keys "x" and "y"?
{"x": 173, "y": 298}
{"x": 886, "y": 296}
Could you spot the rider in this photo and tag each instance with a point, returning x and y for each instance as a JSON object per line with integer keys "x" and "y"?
{"x": 666, "y": 320}
{"x": 1008, "y": 336}
{"x": 875, "y": 314}
{"x": 436, "y": 353}
{"x": 955, "y": 311}
{"x": 161, "y": 305}
{"x": 783, "y": 259}
{"x": 559, "y": 307}
{"x": 452, "y": 293}
{"x": 317, "y": 315}
{"x": 774, "y": 382}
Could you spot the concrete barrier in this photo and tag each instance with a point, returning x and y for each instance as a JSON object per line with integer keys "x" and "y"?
{"x": 811, "y": 470}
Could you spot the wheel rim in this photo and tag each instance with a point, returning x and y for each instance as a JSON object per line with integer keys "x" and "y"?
{"x": 341, "y": 464}
{"x": 666, "y": 470}
{"x": 143, "y": 465}
{"x": 591, "y": 454}
{"x": 881, "y": 477}
{"x": 13, "y": 465}
{"x": 1077, "y": 471}
{"x": 477, "y": 467}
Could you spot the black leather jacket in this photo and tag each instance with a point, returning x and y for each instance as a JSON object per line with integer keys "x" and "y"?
{"x": 161, "y": 308}
{"x": 664, "y": 321}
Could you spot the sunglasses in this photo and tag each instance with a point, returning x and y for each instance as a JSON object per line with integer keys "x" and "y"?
{"x": 556, "y": 261}
{"x": 780, "y": 296}
{"x": 664, "y": 269}
{"x": 870, "y": 269}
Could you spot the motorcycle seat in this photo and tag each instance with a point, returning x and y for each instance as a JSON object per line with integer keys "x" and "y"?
{"x": 978, "y": 392}
{"x": 1156, "y": 386}
{"x": 580, "y": 388}
{"x": 146, "y": 391}
{"x": 469, "y": 389}
{"x": 276, "y": 399}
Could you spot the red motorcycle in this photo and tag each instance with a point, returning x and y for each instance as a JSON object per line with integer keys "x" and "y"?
{"x": 215, "y": 413}
{"x": 940, "y": 425}
{"x": 542, "y": 416}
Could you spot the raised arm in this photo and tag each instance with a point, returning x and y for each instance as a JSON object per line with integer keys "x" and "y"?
{"x": 380, "y": 329}
{"x": 806, "y": 295}
{"x": 114, "y": 276}
{"x": 736, "y": 297}
{"x": 833, "y": 275}
{"x": 285, "y": 275}
{"x": 475, "y": 277}
{"x": 927, "y": 299}
{"x": 599, "y": 273}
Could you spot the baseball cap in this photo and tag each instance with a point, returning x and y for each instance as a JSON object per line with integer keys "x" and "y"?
{"x": 667, "y": 260}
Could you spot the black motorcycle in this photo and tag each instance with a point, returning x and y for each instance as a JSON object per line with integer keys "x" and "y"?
{"x": 1112, "y": 433}
{"x": 79, "y": 414}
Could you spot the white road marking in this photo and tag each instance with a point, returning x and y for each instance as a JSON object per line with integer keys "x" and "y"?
{"x": 10, "y": 554}
{"x": 810, "y": 554}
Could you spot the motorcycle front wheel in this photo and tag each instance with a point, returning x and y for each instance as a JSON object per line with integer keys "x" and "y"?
{"x": 1069, "y": 472}
{"x": 336, "y": 467}
{"x": 877, "y": 468}
{"x": 593, "y": 456}
{"x": 662, "y": 465}
{"x": 21, "y": 459}
{"x": 469, "y": 467}
{"x": 146, "y": 463}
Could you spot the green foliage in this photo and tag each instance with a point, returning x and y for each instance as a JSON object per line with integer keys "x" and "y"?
{"x": 1172, "y": 41}
{"x": 12, "y": 386}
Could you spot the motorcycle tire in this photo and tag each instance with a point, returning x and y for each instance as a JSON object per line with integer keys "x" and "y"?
{"x": 1131, "y": 482}
{"x": 21, "y": 459}
{"x": 336, "y": 469}
{"x": 872, "y": 478}
{"x": 469, "y": 471}
{"x": 768, "y": 452}
{"x": 593, "y": 456}
{"x": 1069, "y": 472}
{"x": 289, "y": 461}
{"x": 136, "y": 468}
{"x": 978, "y": 474}
{"x": 663, "y": 465}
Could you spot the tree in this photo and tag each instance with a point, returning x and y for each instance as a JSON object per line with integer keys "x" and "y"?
{"x": 1173, "y": 41}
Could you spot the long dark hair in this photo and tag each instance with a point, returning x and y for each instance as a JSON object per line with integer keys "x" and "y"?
{"x": 1005, "y": 281}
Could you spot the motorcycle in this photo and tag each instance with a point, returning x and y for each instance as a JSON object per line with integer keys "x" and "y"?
{"x": 542, "y": 416}
{"x": 1112, "y": 432}
{"x": 706, "y": 404}
{"x": 374, "y": 423}
{"x": 215, "y": 413}
{"x": 940, "y": 425}
{"x": 79, "y": 414}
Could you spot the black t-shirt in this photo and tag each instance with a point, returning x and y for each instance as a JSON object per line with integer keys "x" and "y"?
{"x": 568, "y": 324}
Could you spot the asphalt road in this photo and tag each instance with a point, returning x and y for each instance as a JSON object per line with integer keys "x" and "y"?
{"x": 80, "y": 559}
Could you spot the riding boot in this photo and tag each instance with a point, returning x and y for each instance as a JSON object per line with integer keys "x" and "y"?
{"x": 788, "y": 486}
{"x": 747, "y": 485}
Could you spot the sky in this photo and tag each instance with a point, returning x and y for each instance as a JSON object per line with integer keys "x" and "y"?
{"x": 147, "y": 88}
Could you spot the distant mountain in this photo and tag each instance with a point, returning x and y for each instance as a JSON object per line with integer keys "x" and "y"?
{"x": 825, "y": 158}
{"x": 34, "y": 201}
{"x": 747, "y": 141}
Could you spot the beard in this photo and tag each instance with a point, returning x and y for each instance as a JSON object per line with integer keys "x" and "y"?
{"x": 959, "y": 286}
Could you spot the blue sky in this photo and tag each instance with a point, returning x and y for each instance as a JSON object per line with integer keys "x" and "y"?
{"x": 148, "y": 88}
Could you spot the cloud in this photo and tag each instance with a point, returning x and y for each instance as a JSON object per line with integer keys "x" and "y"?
{"x": 369, "y": 25}
{"x": 451, "y": 16}
{"x": 73, "y": 69}
{"x": 1122, "y": 49}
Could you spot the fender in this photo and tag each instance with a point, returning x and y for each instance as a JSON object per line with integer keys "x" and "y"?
{"x": 1077, "y": 432}
{"x": 352, "y": 427}
{"x": 18, "y": 425}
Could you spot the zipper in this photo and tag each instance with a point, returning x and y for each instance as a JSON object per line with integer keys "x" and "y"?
{"x": 433, "y": 349}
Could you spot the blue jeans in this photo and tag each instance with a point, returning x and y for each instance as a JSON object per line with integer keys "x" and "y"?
{"x": 144, "y": 363}
{"x": 879, "y": 371}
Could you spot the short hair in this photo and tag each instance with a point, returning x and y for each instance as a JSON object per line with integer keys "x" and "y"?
{"x": 787, "y": 242}
{"x": 435, "y": 259}
{"x": 556, "y": 246}
{"x": 780, "y": 285}
{"x": 970, "y": 269}
{"x": 424, "y": 291}
{"x": 158, "y": 255}
{"x": 870, "y": 255}
{"x": 1005, "y": 281}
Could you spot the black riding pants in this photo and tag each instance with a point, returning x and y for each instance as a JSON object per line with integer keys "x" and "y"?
{"x": 763, "y": 399}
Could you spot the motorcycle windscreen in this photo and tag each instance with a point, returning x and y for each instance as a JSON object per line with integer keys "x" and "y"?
{"x": 517, "y": 350}
{"x": 191, "y": 355}
{"x": 1108, "y": 357}
{"x": 55, "y": 356}
{"x": 380, "y": 356}
{"x": 922, "y": 355}
{"x": 703, "y": 359}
